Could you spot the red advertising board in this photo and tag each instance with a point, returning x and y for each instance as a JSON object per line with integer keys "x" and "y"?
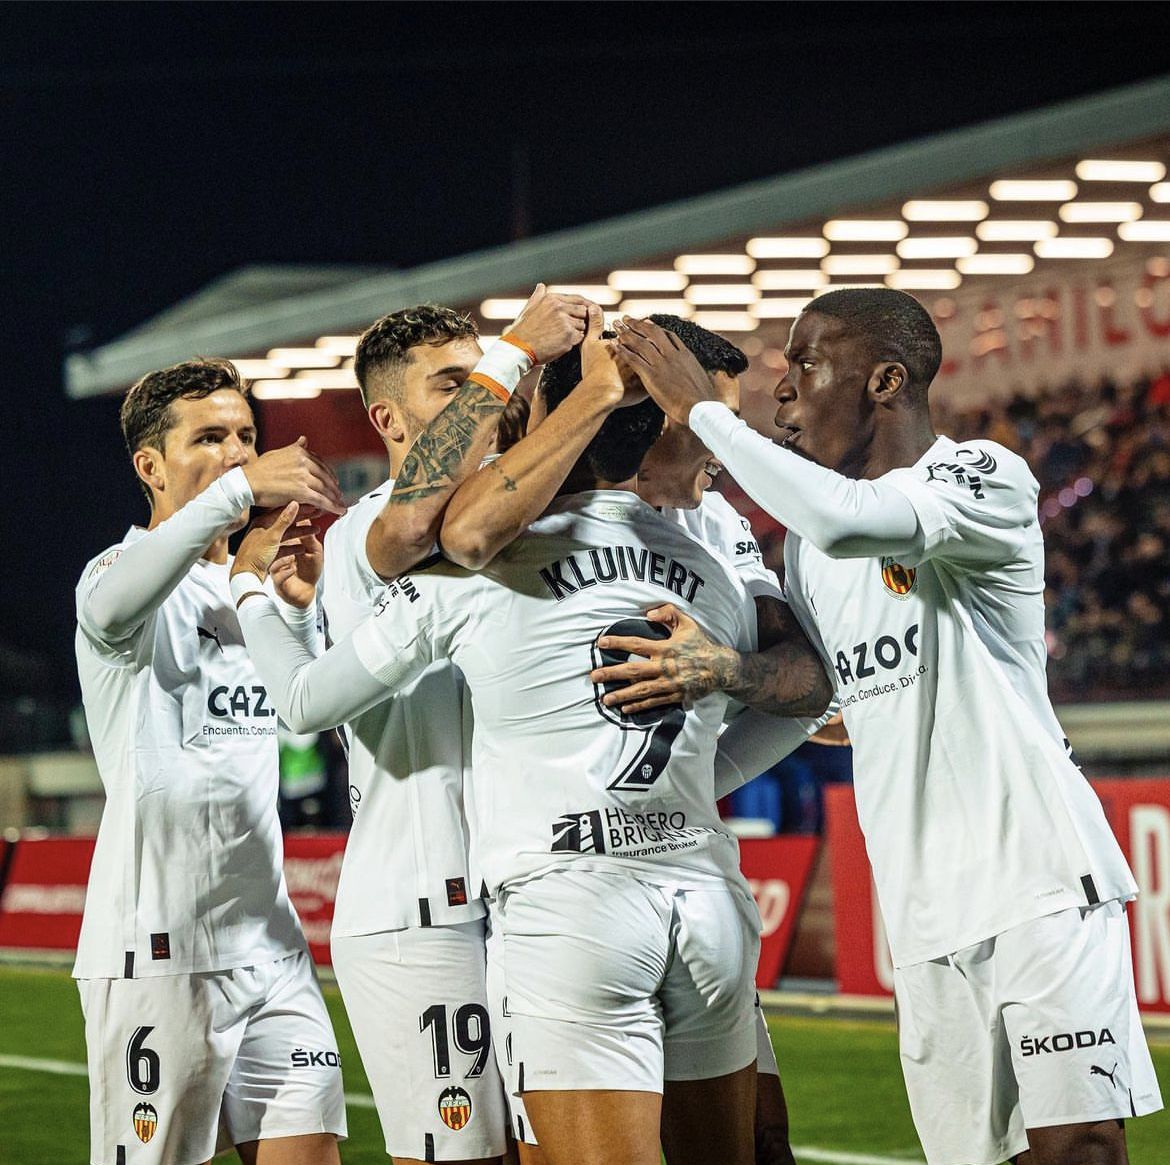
{"x": 777, "y": 869}
{"x": 312, "y": 865}
{"x": 1138, "y": 811}
{"x": 45, "y": 893}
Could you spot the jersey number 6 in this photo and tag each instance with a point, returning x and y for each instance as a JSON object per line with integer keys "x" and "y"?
{"x": 659, "y": 726}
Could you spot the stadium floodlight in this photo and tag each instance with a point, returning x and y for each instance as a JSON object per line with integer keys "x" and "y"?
{"x": 640, "y": 308}
{"x": 726, "y": 321}
{"x": 787, "y": 248}
{"x": 285, "y": 389}
{"x": 944, "y": 210}
{"x": 789, "y": 280}
{"x": 715, "y": 264}
{"x": 647, "y": 280}
{"x": 1160, "y": 192}
{"x": 924, "y": 279}
{"x": 327, "y": 378}
{"x": 940, "y": 247}
{"x": 845, "y": 287}
{"x": 1073, "y": 248}
{"x": 338, "y": 345}
{"x": 501, "y": 309}
{"x": 1004, "y": 264}
{"x": 780, "y": 308}
{"x": 1033, "y": 190}
{"x": 303, "y": 357}
{"x": 860, "y": 264}
{"x": 597, "y": 292}
{"x": 865, "y": 230}
{"x": 251, "y": 369}
{"x": 722, "y": 293}
{"x": 1007, "y": 230}
{"x": 1100, "y": 211}
{"x": 1150, "y": 230}
{"x": 1102, "y": 170}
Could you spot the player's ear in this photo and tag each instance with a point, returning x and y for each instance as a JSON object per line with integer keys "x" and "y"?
{"x": 886, "y": 381}
{"x": 387, "y": 419}
{"x": 148, "y": 463}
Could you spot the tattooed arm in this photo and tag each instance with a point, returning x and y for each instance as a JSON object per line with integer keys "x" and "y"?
{"x": 784, "y": 678}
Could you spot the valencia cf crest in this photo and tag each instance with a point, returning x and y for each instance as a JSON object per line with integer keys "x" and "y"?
{"x": 145, "y": 1122}
{"x": 899, "y": 580}
{"x": 454, "y": 1108}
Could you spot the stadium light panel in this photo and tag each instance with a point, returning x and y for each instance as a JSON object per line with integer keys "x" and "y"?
{"x": 597, "y": 292}
{"x": 780, "y": 307}
{"x": 944, "y": 210}
{"x": 865, "y": 230}
{"x": 1033, "y": 190}
{"x": 327, "y": 378}
{"x": 715, "y": 264}
{"x": 789, "y": 280}
{"x": 501, "y": 309}
{"x": 1100, "y": 211}
{"x": 726, "y": 321}
{"x": 647, "y": 280}
{"x": 285, "y": 390}
{"x": 942, "y": 247}
{"x": 722, "y": 293}
{"x": 251, "y": 369}
{"x": 1073, "y": 248}
{"x": 338, "y": 345}
{"x": 304, "y": 358}
{"x": 787, "y": 248}
{"x": 1101, "y": 170}
{"x": 640, "y": 308}
{"x": 1160, "y": 192}
{"x": 1006, "y": 230}
{"x": 1150, "y": 230}
{"x": 860, "y": 264}
{"x": 1005, "y": 264}
{"x": 925, "y": 279}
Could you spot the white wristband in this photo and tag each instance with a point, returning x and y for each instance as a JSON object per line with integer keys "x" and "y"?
{"x": 503, "y": 364}
{"x": 245, "y": 583}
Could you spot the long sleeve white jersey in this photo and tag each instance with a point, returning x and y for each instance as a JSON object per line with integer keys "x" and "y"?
{"x": 975, "y": 817}
{"x": 557, "y": 777}
{"x": 187, "y": 873}
{"x": 406, "y": 858}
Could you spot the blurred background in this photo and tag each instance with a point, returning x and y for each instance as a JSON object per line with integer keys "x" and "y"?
{"x": 262, "y": 181}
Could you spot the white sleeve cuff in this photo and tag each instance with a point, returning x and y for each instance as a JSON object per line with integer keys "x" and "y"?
{"x": 236, "y": 490}
{"x": 505, "y": 364}
{"x": 245, "y": 582}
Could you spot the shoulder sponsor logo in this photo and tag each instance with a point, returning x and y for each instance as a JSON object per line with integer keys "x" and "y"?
{"x": 966, "y": 469}
{"x": 978, "y": 459}
{"x": 305, "y": 1059}
{"x": 899, "y": 580}
{"x": 752, "y": 548}
{"x": 454, "y": 1108}
{"x": 145, "y": 1121}
{"x": 104, "y": 563}
{"x": 1066, "y": 1042}
{"x": 401, "y": 588}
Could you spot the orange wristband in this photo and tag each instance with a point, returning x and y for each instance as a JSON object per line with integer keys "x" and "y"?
{"x": 515, "y": 341}
{"x": 493, "y": 386}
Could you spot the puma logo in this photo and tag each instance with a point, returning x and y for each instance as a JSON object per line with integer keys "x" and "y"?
{"x": 213, "y": 635}
{"x": 1095, "y": 1071}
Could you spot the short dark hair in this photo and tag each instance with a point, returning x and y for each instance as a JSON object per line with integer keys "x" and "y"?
{"x": 146, "y": 413}
{"x": 384, "y": 347}
{"x": 625, "y": 437}
{"x": 896, "y": 325}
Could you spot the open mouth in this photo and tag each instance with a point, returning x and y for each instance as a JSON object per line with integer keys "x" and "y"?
{"x": 788, "y": 434}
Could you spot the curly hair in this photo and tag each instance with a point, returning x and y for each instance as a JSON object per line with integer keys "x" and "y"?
{"x": 146, "y": 413}
{"x": 384, "y": 348}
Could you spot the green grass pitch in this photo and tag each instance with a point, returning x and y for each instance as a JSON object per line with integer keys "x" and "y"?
{"x": 842, "y": 1079}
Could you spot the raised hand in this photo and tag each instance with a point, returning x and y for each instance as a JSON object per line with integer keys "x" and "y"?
{"x": 295, "y": 575}
{"x": 266, "y": 537}
{"x": 550, "y": 324}
{"x": 660, "y": 360}
{"x": 294, "y": 474}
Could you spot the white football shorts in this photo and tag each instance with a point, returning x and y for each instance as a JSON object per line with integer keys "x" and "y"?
{"x": 417, "y": 1000}
{"x": 611, "y": 982}
{"x": 182, "y": 1066}
{"x": 1035, "y": 1027}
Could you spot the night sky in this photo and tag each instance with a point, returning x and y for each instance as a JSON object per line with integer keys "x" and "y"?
{"x": 148, "y": 148}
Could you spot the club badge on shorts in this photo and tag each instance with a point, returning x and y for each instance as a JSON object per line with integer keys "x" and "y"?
{"x": 145, "y": 1122}
{"x": 899, "y": 580}
{"x": 454, "y": 1108}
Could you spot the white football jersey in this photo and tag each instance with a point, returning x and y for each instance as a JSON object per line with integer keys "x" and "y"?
{"x": 406, "y": 858}
{"x": 557, "y": 777}
{"x": 719, "y": 525}
{"x": 187, "y": 874}
{"x": 975, "y": 817}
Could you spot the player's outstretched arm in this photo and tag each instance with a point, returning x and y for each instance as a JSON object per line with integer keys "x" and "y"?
{"x": 118, "y": 596}
{"x": 314, "y": 694}
{"x": 508, "y": 494}
{"x": 785, "y": 678}
{"x": 754, "y": 741}
{"x": 455, "y": 442}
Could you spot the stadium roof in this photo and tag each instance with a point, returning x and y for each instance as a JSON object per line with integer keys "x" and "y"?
{"x": 735, "y": 260}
